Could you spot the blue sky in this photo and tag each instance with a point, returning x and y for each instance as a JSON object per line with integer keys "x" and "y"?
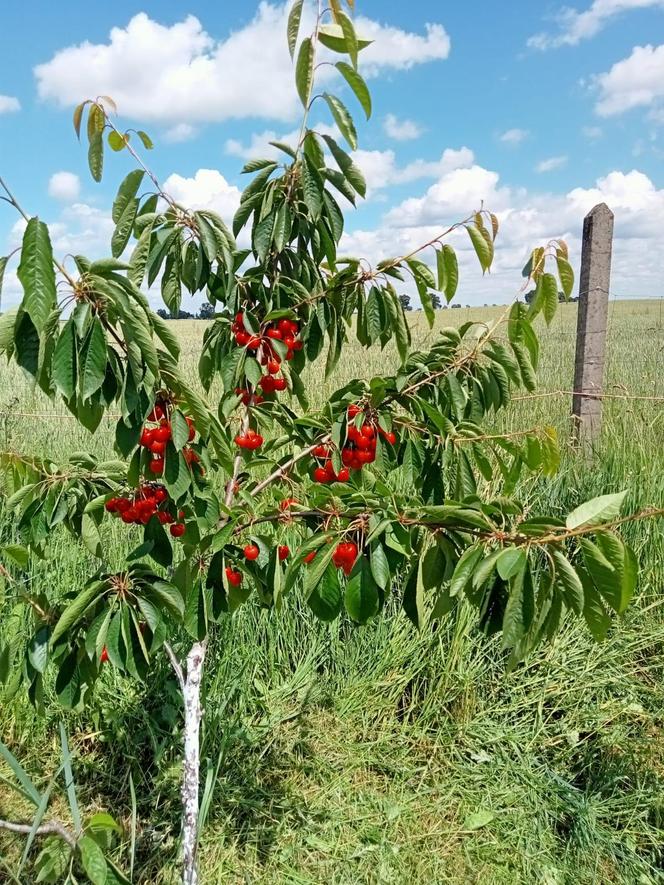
{"x": 539, "y": 111}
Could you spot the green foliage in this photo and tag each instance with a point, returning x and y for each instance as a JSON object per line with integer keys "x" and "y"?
{"x": 431, "y": 514}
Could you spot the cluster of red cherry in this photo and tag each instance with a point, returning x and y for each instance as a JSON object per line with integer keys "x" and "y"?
{"x": 360, "y": 449}
{"x": 283, "y": 330}
{"x": 155, "y": 438}
{"x": 140, "y": 506}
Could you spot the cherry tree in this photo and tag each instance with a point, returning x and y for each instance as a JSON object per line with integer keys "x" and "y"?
{"x": 233, "y": 490}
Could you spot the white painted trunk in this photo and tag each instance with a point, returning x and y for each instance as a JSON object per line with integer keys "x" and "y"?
{"x": 190, "y": 780}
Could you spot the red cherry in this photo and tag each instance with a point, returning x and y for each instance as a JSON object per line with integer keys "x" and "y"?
{"x": 284, "y": 327}
{"x": 146, "y": 437}
{"x": 290, "y": 354}
{"x": 320, "y": 475}
{"x": 297, "y": 345}
{"x": 367, "y": 431}
{"x": 160, "y": 495}
{"x": 320, "y": 452}
{"x": 283, "y": 552}
{"x": 251, "y": 552}
{"x": 353, "y": 410}
{"x": 162, "y": 433}
{"x": 254, "y": 342}
{"x": 157, "y": 413}
{"x": 275, "y": 334}
{"x": 192, "y": 429}
{"x": 286, "y": 504}
{"x": 289, "y": 341}
{"x": 347, "y": 457}
{"x": 177, "y": 529}
{"x": 122, "y": 505}
{"x": 234, "y": 577}
{"x": 280, "y": 384}
{"x": 391, "y": 437}
{"x": 111, "y": 505}
{"x": 241, "y": 441}
{"x": 242, "y": 338}
{"x": 103, "y": 658}
{"x": 267, "y": 384}
{"x": 343, "y": 475}
{"x": 157, "y": 448}
{"x": 310, "y": 557}
{"x": 273, "y": 366}
{"x": 128, "y": 515}
{"x": 157, "y": 466}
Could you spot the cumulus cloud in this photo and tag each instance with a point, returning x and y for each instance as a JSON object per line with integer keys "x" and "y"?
{"x": 381, "y": 168}
{"x": 182, "y": 74}
{"x": 401, "y": 130}
{"x": 259, "y": 145}
{"x": 636, "y": 81}
{"x": 551, "y": 163}
{"x": 514, "y": 136}
{"x": 576, "y": 26}
{"x": 180, "y": 132}
{"x": 8, "y": 104}
{"x": 207, "y": 189}
{"x": 526, "y": 219}
{"x": 64, "y": 186}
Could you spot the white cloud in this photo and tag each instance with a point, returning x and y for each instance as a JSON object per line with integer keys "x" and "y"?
{"x": 381, "y": 169}
{"x": 64, "y": 186}
{"x": 259, "y": 147}
{"x": 577, "y": 26}
{"x": 526, "y": 219}
{"x": 8, "y": 104}
{"x": 207, "y": 189}
{"x": 193, "y": 77}
{"x": 401, "y": 130}
{"x": 551, "y": 163}
{"x": 636, "y": 81}
{"x": 592, "y": 132}
{"x": 514, "y": 136}
{"x": 180, "y": 132}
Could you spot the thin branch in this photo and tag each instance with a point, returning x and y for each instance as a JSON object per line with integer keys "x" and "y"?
{"x": 50, "y": 828}
{"x": 175, "y": 664}
{"x": 281, "y": 471}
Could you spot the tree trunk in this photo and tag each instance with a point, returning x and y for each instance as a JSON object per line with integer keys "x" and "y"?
{"x": 190, "y": 780}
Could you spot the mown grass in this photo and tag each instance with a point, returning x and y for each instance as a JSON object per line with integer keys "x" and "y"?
{"x": 365, "y": 755}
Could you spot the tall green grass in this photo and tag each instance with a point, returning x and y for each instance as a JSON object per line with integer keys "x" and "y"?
{"x": 378, "y": 754}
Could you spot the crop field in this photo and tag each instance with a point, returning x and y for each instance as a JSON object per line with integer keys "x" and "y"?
{"x": 341, "y": 755}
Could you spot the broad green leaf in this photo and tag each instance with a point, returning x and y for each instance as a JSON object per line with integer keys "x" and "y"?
{"x": 380, "y": 568}
{"x": 147, "y": 142}
{"x": 63, "y": 365}
{"x": 96, "y": 156}
{"x": 124, "y": 228}
{"x": 90, "y": 536}
{"x": 549, "y": 296}
{"x": 465, "y": 568}
{"x": 76, "y": 608}
{"x": 117, "y": 141}
{"x": 362, "y": 598}
{"x": 126, "y": 193}
{"x": 598, "y": 510}
{"x": 325, "y": 598}
{"x": 342, "y": 118}
{"x": 293, "y": 27}
{"x": 413, "y": 597}
{"x": 480, "y": 245}
{"x": 350, "y": 37}
{"x": 451, "y": 272}
{"x": 511, "y": 561}
{"x": 357, "y": 84}
{"x": 566, "y": 275}
{"x": 304, "y": 70}
{"x": 352, "y": 173}
{"x": 594, "y": 613}
{"x": 36, "y": 273}
{"x": 333, "y": 37}
{"x": 38, "y": 649}
{"x": 78, "y": 117}
{"x": 93, "y": 366}
{"x": 568, "y": 582}
{"x": 312, "y": 188}
{"x": 93, "y": 860}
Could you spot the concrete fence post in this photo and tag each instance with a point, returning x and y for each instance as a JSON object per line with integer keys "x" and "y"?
{"x": 594, "y": 284}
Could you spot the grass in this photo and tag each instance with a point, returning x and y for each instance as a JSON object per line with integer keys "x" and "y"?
{"x": 380, "y": 755}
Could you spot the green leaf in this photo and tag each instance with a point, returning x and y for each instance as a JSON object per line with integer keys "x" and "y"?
{"x": 36, "y": 273}
{"x": 357, "y": 84}
{"x": 362, "y": 598}
{"x": 293, "y": 28}
{"x": 601, "y": 509}
{"x": 480, "y": 245}
{"x": 126, "y": 193}
{"x": 96, "y": 156}
{"x": 30, "y": 791}
{"x": 594, "y": 613}
{"x": 78, "y": 117}
{"x": 63, "y": 365}
{"x": 90, "y": 536}
{"x": 92, "y": 860}
{"x": 117, "y": 141}
{"x": 179, "y": 429}
{"x": 93, "y": 367}
{"x": 352, "y": 172}
{"x": 342, "y": 118}
{"x": 566, "y": 275}
{"x": 549, "y": 296}
{"x": 451, "y": 272}
{"x": 510, "y": 562}
{"x": 38, "y": 649}
{"x": 75, "y": 609}
{"x": 333, "y": 37}
{"x": 478, "y": 819}
{"x": 147, "y": 142}
{"x": 325, "y": 598}
{"x": 569, "y": 583}
{"x": 413, "y": 597}
{"x": 312, "y": 188}
{"x": 380, "y": 568}
{"x": 124, "y": 228}
{"x": 304, "y": 70}
{"x": 464, "y": 569}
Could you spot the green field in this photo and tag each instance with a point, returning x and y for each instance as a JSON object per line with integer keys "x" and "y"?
{"x": 377, "y": 755}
